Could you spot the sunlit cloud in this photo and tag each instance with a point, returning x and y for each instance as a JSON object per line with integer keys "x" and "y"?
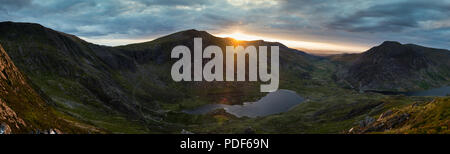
{"x": 298, "y": 44}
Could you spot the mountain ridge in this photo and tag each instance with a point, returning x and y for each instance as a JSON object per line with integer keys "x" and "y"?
{"x": 130, "y": 82}
{"x": 392, "y": 66}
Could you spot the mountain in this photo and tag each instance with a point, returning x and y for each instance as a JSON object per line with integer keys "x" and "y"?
{"x": 79, "y": 87}
{"x": 392, "y": 66}
{"x": 23, "y": 110}
{"x": 83, "y": 79}
{"x": 128, "y": 88}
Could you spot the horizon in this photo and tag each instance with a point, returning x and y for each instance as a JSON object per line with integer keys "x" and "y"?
{"x": 309, "y": 47}
{"x": 237, "y": 36}
{"x": 312, "y": 26}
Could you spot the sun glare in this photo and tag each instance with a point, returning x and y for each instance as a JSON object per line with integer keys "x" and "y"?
{"x": 240, "y": 36}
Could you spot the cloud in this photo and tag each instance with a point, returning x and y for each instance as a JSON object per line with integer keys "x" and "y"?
{"x": 7, "y": 5}
{"x": 367, "y": 22}
{"x": 392, "y": 17}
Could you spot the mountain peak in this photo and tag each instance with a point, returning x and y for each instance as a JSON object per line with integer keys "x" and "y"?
{"x": 393, "y": 66}
{"x": 193, "y": 33}
{"x": 20, "y": 24}
{"x": 390, "y": 43}
{"x": 388, "y": 48}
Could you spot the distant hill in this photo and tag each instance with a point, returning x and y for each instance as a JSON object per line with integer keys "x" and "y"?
{"x": 392, "y": 66}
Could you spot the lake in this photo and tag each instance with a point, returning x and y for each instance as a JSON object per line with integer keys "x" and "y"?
{"x": 275, "y": 102}
{"x": 443, "y": 91}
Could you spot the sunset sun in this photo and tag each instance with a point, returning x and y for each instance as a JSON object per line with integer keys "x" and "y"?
{"x": 240, "y": 36}
{"x": 303, "y": 44}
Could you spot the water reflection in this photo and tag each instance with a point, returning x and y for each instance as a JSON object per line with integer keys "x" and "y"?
{"x": 273, "y": 103}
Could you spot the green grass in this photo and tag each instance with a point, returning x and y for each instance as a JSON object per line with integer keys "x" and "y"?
{"x": 426, "y": 118}
{"x": 74, "y": 101}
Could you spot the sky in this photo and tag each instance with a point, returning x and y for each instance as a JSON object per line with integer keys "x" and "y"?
{"x": 326, "y": 26}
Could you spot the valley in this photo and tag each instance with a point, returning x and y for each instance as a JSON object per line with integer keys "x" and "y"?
{"x": 129, "y": 89}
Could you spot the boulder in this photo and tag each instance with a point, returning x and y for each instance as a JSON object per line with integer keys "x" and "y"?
{"x": 5, "y": 129}
{"x": 384, "y": 115}
{"x": 366, "y": 122}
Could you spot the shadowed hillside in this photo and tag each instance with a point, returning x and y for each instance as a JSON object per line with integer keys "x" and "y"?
{"x": 392, "y": 66}
{"x": 22, "y": 109}
{"x": 128, "y": 88}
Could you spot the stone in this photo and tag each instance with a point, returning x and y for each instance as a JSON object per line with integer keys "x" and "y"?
{"x": 5, "y": 129}
{"x": 249, "y": 130}
{"x": 384, "y": 115}
{"x": 186, "y": 132}
{"x": 366, "y": 122}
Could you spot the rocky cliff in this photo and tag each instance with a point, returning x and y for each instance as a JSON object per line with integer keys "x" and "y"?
{"x": 22, "y": 109}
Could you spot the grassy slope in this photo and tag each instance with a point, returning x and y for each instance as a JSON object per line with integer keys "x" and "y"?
{"x": 53, "y": 72}
{"x": 430, "y": 117}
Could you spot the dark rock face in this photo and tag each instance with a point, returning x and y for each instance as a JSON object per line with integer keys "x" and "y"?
{"x": 392, "y": 66}
{"x": 366, "y": 122}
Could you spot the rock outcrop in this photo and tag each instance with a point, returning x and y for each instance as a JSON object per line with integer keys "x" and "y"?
{"x": 21, "y": 108}
{"x": 416, "y": 118}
